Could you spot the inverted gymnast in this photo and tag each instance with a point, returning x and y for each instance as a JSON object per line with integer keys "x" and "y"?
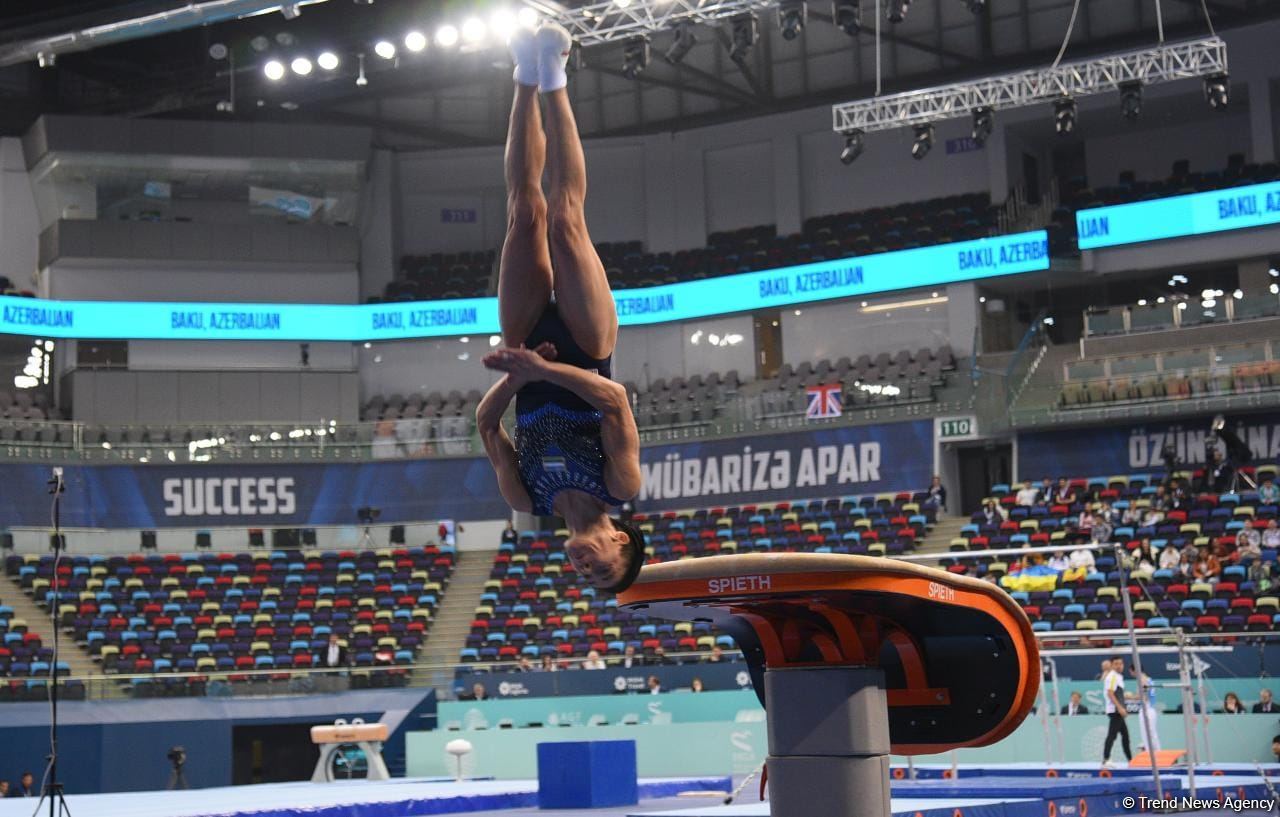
{"x": 576, "y": 450}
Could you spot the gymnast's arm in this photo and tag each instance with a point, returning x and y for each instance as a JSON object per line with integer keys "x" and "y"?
{"x": 497, "y": 443}
{"x": 618, "y": 434}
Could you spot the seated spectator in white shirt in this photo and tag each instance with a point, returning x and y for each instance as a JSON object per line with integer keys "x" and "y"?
{"x": 594, "y": 661}
{"x": 1082, "y": 559}
{"x": 1271, "y": 536}
{"x": 1152, "y": 518}
{"x": 1169, "y": 558}
{"x": 1028, "y": 494}
{"x": 1059, "y": 561}
{"x": 1248, "y": 544}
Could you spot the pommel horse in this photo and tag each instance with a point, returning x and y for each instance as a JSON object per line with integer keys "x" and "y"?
{"x": 854, "y": 657}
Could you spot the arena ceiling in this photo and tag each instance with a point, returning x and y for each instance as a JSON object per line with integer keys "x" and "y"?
{"x": 451, "y": 97}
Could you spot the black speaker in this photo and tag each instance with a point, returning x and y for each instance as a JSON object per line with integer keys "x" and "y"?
{"x": 309, "y": 536}
{"x": 148, "y": 540}
{"x": 256, "y": 538}
{"x": 204, "y": 539}
{"x": 397, "y": 534}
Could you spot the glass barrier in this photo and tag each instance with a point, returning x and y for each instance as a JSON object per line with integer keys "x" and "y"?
{"x": 1171, "y": 314}
{"x": 1148, "y": 318}
{"x": 424, "y": 437}
{"x": 1105, "y": 322}
{"x": 1139, "y": 364}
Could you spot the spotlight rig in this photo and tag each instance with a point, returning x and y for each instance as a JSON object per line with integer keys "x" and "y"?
{"x": 792, "y": 15}
{"x": 853, "y": 145}
{"x": 923, "y": 142}
{"x": 635, "y": 57}
{"x": 681, "y": 45}
{"x": 745, "y": 30}
{"x": 1217, "y": 91}
{"x": 1064, "y": 116}
{"x": 847, "y": 16}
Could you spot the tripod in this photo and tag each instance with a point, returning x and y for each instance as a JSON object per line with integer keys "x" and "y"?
{"x": 52, "y": 790}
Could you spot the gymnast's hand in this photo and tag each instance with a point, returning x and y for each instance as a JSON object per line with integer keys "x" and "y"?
{"x": 521, "y": 364}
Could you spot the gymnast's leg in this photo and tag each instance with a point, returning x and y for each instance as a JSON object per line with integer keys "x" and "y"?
{"x": 581, "y": 288}
{"x": 524, "y": 272}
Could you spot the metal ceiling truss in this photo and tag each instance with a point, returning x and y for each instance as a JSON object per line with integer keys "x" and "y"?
{"x": 1163, "y": 63}
{"x": 610, "y": 22}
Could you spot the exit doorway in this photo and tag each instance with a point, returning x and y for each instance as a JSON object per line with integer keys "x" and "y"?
{"x": 982, "y": 466}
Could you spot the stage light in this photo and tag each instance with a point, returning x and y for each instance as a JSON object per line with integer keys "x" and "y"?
{"x": 301, "y": 66}
{"x": 259, "y": 43}
{"x": 218, "y": 51}
{"x": 635, "y": 57}
{"x": 897, "y": 10}
{"x": 415, "y": 41}
{"x": 1131, "y": 100}
{"x": 792, "y": 15}
{"x": 975, "y": 6}
{"x": 847, "y": 16}
{"x": 503, "y": 23}
{"x": 328, "y": 61}
{"x": 746, "y": 29}
{"x": 274, "y": 70}
{"x": 983, "y": 123}
{"x": 1217, "y": 91}
{"x": 1274, "y": 289}
{"x": 1064, "y": 116}
{"x": 473, "y": 30}
{"x": 447, "y": 36}
{"x": 923, "y": 143}
{"x": 681, "y": 45}
{"x": 291, "y": 11}
{"x": 47, "y": 59}
{"x": 385, "y": 49}
{"x": 527, "y": 17}
{"x": 853, "y": 145}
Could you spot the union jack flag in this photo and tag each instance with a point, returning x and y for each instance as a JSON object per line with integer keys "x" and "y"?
{"x": 824, "y": 401}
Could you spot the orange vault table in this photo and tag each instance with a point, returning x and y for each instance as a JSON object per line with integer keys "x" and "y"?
{"x": 854, "y": 657}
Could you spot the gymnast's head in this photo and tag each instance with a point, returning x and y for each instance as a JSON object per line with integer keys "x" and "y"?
{"x": 608, "y": 553}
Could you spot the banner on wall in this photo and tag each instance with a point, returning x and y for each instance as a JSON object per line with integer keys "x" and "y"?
{"x": 1196, "y": 214}
{"x": 826, "y": 462}
{"x": 195, "y": 496}
{"x": 723, "y": 675}
{"x": 1123, "y": 449}
{"x": 826, "y": 280}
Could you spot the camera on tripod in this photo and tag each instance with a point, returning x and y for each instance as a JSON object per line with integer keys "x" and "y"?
{"x": 368, "y": 515}
{"x": 177, "y": 756}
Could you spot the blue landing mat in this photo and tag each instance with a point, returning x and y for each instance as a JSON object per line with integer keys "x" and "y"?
{"x": 402, "y": 797}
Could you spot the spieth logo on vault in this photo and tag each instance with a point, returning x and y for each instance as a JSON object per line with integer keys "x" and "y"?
{"x": 739, "y": 584}
{"x": 941, "y": 592}
{"x": 229, "y": 496}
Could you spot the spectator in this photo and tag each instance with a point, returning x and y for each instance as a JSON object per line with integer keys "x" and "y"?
{"x": 1231, "y": 705}
{"x": 1106, "y": 513}
{"x": 26, "y": 787}
{"x": 4, "y": 788}
{"x": 1275, "y": 747}
{"x": 1152, "y": 517}
{"x": 1046, "y": 490}
{"x": 509, "y": 535}
{"x": 1075, "y": 706}
{"x": 594, "y": 661}
{"x": 1219, "y": 473}
{"x": 524, "y": 664}
{"x": 1248, "y": 545}
{"x": 1179, "y": 498}
{"x": 335, "y": 655}
{"x": 477, "y": 693}
{"x": 1066, "y": 494}
{"x": 1260, "y": 575}
{"x": 1113, "y": 694}
{"x": 1169, "y": 558}
{"x": 1084, "y": 524}
{"x": 1132, "y": 516}
{"x": 937, "y": 493}
{"x": 1058, "y": 561}
{"x": 992, "y": 514}
{"x": 655, "y": 686}
{"x": 1207, "y": 568}
{"x": 1082, "y": 564}
{"x": 716, "y": 655}
{"x": 547, "y": 664}
{"x": 696, "y": 685}
{"x": 1101, "y": 531}
{"x": 447, "y": 531}
{"x": 629, "y": 658}
{"x": 1141, "y": 562}
{"x": 660, "y": 656}
{"x": 1265, "y": 705}
{"x": 1269, "y": 492}
{"x": 1027, "y": 495}
{"x": 1271, "y": 535}
{"x": 1161, "y": 500}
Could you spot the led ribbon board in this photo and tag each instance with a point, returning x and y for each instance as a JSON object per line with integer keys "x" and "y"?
{"x": 1195, "y": 214}
{"x": 787, "y": 286}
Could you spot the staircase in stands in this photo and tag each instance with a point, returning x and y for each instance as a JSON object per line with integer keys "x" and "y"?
{"x": 939, "y": 538}
{"x": 39, "y": 621}
{"x": 452, "y": 623}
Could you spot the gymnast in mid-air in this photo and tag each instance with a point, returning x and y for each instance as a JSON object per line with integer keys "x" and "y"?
{"x": 576, "y": 451}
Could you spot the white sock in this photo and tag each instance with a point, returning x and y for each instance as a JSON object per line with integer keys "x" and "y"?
{"x": 524, "y": 50}
{"x": 554, "y": 45}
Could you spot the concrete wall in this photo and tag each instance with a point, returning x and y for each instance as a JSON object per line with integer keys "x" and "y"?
{"x": 19, "y": 219}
